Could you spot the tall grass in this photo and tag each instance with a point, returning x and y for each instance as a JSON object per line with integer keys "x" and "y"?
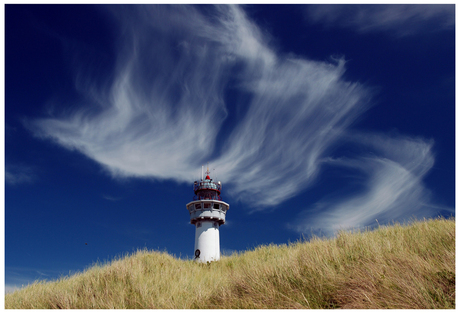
{"x": 395, "y": 267}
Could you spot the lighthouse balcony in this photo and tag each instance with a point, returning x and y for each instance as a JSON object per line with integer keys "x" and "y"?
{"x": 207, "y": 210}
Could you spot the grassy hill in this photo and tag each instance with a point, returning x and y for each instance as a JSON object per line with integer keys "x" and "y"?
{"x": 397, "y": 267}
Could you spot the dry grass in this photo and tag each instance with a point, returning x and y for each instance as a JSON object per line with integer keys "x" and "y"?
{"x": 396, "y": 267}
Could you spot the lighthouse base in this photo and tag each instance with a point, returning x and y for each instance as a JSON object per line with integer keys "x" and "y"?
{"x": 207, "y": 245}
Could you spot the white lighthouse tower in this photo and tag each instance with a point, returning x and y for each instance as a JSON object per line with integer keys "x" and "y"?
{"x": 207, "y": 213}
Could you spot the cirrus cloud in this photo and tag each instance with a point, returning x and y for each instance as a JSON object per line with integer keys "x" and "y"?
{"x": 392, "y": 188}
{"x": 400, "y": 19}
{"x": 162, "y": 113}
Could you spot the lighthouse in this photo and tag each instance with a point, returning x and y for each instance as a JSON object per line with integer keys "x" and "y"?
{"x": 207, "y": 213}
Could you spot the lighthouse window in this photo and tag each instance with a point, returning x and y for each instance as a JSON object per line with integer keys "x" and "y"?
{"x": 207, "y": 205}
{"x": 224, "y": 208}
{"x": 216, "y": 206}
{"x": 197, "y": 206}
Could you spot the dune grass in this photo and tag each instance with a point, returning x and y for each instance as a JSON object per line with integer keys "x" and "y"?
{"x": 394, "y": 267}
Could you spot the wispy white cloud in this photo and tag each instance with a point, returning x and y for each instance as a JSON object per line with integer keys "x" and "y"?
{"x": 298, "y": 111}
{"x": 161, "y": 114}
{"x": 19, "y": 174}
{"x": 392, "y": 186}
{"x": 400, "y": 19}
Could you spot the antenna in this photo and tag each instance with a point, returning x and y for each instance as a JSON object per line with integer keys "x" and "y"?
{"x": 207, "y": 170}
{"x": 202, "y": 172}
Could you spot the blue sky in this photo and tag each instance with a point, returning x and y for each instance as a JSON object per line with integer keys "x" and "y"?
{"x": 314, "y": 117}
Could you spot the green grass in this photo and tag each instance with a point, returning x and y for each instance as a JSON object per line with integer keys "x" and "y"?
{"x": 395, "y": 267}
